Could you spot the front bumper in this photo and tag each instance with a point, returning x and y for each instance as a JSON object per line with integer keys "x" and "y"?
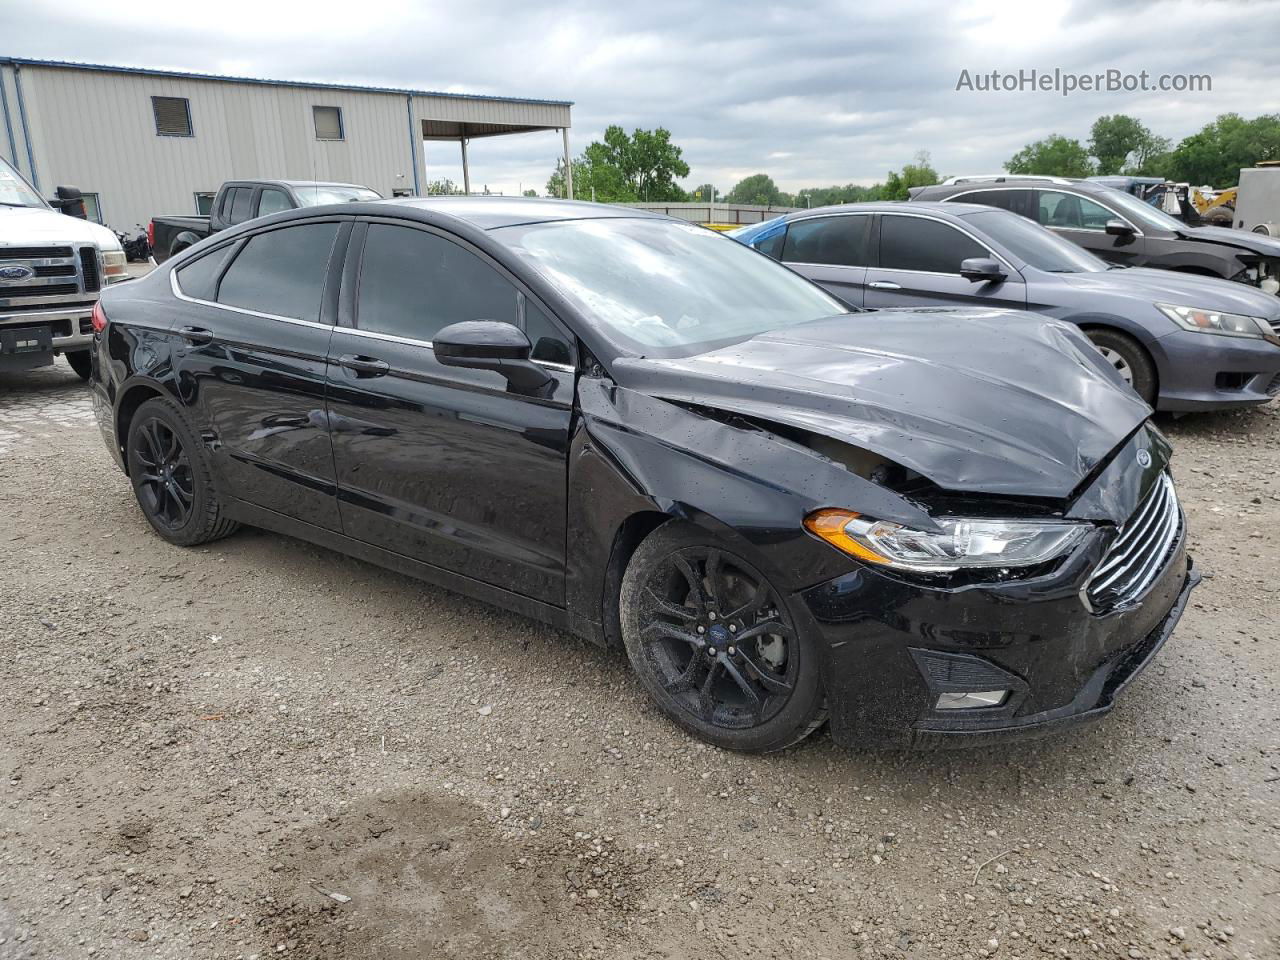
{"x": 1200, "y": 371}
{"x": 1063, "y": 664}
{"x": 57, "y": 329}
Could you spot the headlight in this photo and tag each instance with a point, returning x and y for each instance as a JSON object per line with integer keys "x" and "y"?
{"x": 115, "y": 265}
{"x": 962, "y": 543}
{"x": 1215, "y": 321}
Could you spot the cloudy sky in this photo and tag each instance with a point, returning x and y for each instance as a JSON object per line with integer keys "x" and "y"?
{"x": 813, "y": 94}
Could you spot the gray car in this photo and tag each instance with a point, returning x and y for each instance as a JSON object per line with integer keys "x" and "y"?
{"x": 1120, "y": 228}
{"x": 1183, "y": 342}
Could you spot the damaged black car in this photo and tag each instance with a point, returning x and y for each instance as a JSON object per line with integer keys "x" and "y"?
{"x": 945, "y": 528}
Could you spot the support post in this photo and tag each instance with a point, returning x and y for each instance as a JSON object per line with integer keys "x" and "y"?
{"x": 568, "y": 165}
{"x": 466, "y": 170}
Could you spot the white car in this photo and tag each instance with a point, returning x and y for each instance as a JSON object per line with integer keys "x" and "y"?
{"x": 52, "y": 267}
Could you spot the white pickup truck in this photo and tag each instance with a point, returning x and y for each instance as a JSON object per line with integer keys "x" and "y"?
{"x": 52, "y": 266}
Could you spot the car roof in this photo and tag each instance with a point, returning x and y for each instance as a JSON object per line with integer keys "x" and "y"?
{"x": 489, "y": 213}
{"x": 895, "y": 206}
{"x": 1038, "y": 183}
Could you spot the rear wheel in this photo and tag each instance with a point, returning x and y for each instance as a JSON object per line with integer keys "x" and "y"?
{"x": 78, "y": 360}
{"x": 1129, "y": 359}
{"x": 715, "y": 644}
{"x": 171, "y": 476}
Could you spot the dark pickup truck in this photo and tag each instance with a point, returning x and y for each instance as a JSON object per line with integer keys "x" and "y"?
{"x": 241, "y": 200}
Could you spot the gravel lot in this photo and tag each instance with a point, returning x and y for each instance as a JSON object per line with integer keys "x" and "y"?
{"x": 261, "y": 748}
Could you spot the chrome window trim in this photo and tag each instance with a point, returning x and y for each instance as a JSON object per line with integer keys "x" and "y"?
{"x": 177, "y": 292}
{"x": 371, "y": 334}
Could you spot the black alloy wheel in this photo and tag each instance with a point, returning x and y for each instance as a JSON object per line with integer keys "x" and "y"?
{"x": 716, "y": 645}
{"x": 171, "y": 477}
{"x": 165, "y": 484}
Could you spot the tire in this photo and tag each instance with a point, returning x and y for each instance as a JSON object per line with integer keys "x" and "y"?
{"x": 681, "y": 595}
{"x": 79, "y": 361}
{"x": 171, "y": 479}
{"x": 1129, "y": 358}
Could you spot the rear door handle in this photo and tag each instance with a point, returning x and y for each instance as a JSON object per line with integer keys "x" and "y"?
{"x": 364, "y": 366}
{"x": 196, "y": 335}
{"x": 884, "y": 285}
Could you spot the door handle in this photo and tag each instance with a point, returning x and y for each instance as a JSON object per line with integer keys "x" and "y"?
{"x": 364, "y": 366}
{"x": 197, "y": 335}
{"x": 884, "y": 285}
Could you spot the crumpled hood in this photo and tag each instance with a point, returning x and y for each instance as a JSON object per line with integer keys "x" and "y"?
{"x": 985, "y": 401}
{"x": 1257, "y": 242}
{"x": 1180, "y": 289}
{"x": 22, "y": 226}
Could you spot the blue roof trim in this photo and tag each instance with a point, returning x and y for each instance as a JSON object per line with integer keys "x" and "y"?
{"x": 185, "y": 75}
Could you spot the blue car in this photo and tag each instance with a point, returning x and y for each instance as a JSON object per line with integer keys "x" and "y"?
{"x": 1183, "y": 342}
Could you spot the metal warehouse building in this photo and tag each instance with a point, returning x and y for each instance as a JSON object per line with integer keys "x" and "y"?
{"x": 144, "y": 142}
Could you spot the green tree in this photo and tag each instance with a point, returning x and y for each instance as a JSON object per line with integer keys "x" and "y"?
{"x": 642, "y": 166}
{"x": 442, "y": 187}
{"x": 531, "y": 192}
{"x": 1054, "y": 156}
{"x": 757, "y": 188}
{"x": 1215, "y": 155}
{"x": 919, "y": 173}
{"x": 706, "y": 193}
{"x": 1115, "y": 139}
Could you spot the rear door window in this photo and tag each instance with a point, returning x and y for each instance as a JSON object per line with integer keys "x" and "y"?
{"x": 281, "y": 272}
{"x": 926, "y": 246}
{"x": 241, "y": 205}
{"x": 1017, "y": 201}
{"x": 838, "y": 241}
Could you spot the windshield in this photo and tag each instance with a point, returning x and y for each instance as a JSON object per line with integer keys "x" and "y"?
{"x": 1144, "y": 213}
{"x": 1040, "y": 248}
{"x": 665, "y": 283}
{"x": 331, "y": 193}
{"x": 14, "y": 191}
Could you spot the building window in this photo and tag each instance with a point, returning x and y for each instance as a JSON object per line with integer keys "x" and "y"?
{"x": 173, "y": 116}
{"x": 204, "y": 203}
{"x": 328, "y": 123}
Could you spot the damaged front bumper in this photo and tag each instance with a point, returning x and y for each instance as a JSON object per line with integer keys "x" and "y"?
{"x": 895, "y": 647}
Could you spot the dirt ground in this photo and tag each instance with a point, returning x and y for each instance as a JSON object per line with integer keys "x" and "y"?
{"x": 260, "y": 748}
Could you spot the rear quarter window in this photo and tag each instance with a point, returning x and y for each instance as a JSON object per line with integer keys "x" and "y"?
{"x": 199, "y": 278}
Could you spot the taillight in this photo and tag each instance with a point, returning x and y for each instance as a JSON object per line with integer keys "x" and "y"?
{"x": 151, "y": 233}
{"x": 99, "y": 318}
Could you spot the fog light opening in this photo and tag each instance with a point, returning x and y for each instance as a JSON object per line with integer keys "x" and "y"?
{"x": 971, "y": 700}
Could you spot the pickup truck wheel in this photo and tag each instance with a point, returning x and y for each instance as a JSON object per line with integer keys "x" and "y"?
{"x": 171, "y": 477}
{"x": 715, "y": 644}
{"x": 1129, "y": 359}
{"x": 78, "y": 360}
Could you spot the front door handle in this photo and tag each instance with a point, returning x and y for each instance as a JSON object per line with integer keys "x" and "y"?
{"x": 364, "y": 366}
{"x": 884, "y": 285}
{"x": 197, "y": 335}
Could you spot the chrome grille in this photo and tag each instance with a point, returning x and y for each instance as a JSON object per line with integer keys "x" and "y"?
{"x": 55, "y": 274}
{"x": 1140, "y": 553}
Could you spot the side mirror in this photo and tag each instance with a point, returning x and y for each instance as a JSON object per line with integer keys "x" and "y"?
{"x": 491, "y": 345}
{"x": 70, "y": 201}
{"x": 1118, "y": 228}
{"x": 982, "y": 270}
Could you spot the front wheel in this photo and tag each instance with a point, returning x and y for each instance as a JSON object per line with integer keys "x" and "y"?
{"x": 715, "y": 644}
{"x": 78, "y": 360}
{"x": 1129, "y": 359}
{"x": 171, "y": 477}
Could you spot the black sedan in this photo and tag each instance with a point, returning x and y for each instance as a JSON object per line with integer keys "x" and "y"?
{"x": 654, "y": 437}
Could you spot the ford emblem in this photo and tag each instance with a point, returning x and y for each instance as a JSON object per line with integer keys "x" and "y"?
{"x": 16, "y": 273}
{"x": 1144, "y": 458}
